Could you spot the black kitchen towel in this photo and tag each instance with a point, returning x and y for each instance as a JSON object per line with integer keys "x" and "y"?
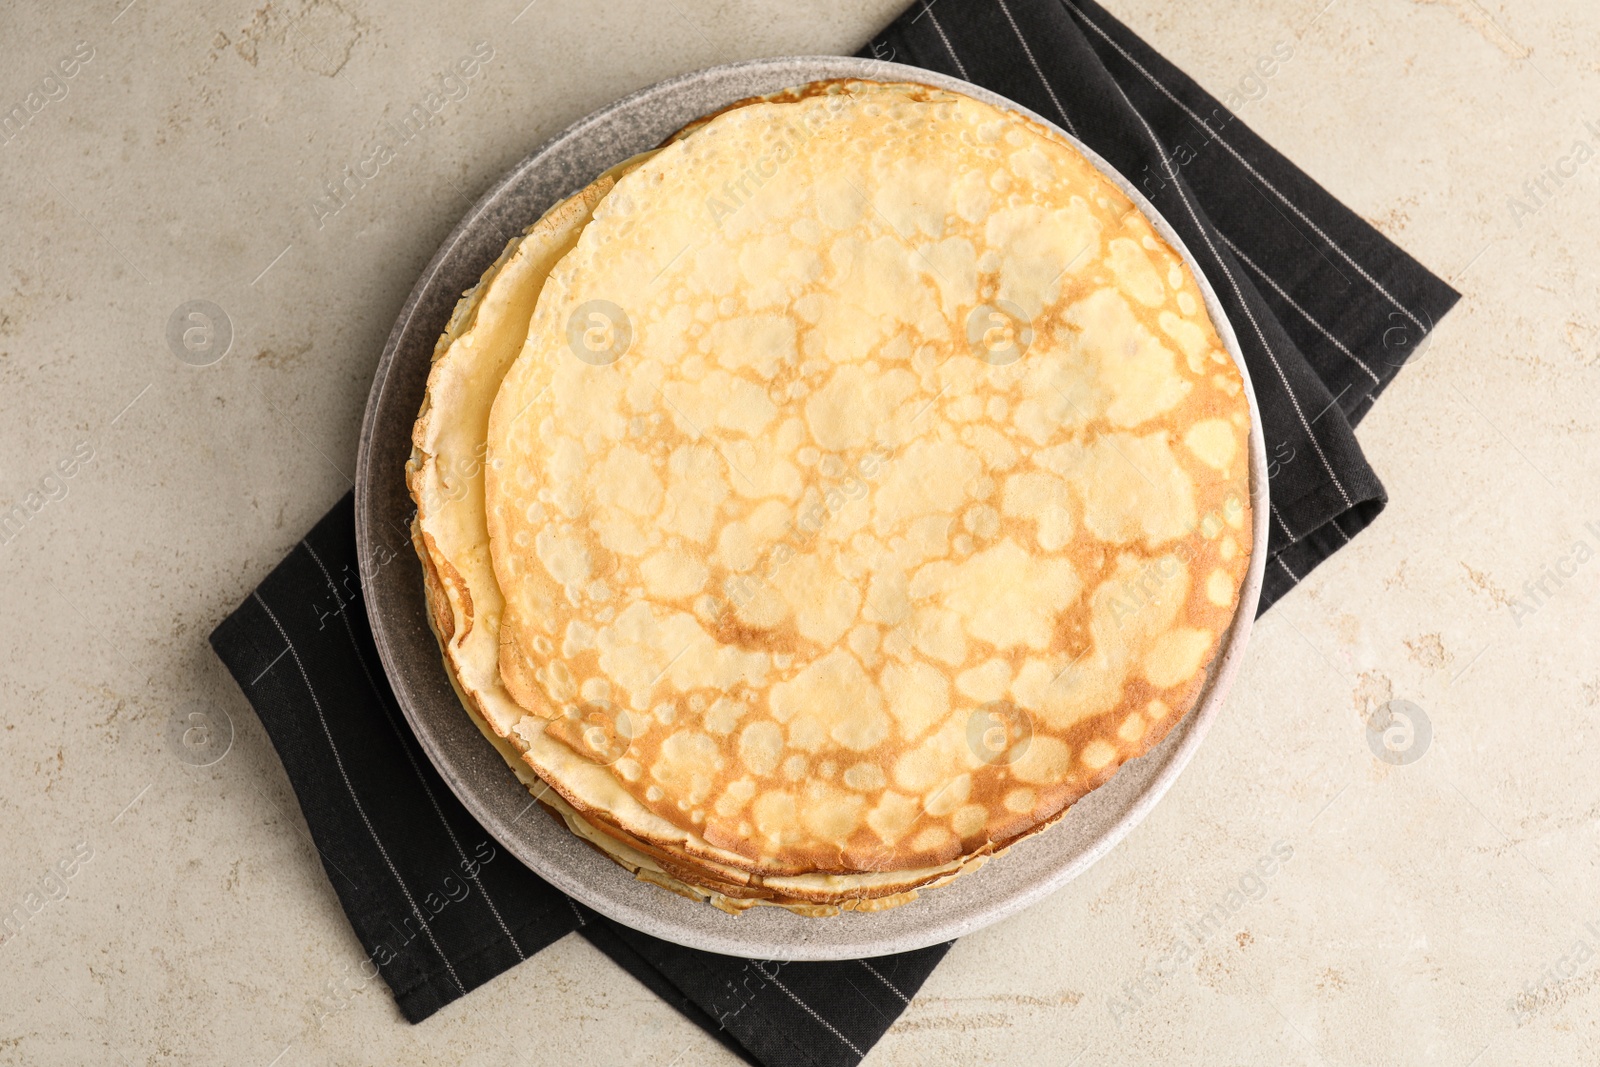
{"x": 1326, "y": 309}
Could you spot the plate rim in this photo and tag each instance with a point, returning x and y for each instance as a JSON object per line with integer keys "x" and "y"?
{"x": 1183, "y": 740}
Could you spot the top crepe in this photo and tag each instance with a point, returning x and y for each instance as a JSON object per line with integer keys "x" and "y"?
{"x": 872, "y": 483}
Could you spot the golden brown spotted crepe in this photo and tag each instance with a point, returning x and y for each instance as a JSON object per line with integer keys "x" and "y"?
{"x": 870, "y": 485}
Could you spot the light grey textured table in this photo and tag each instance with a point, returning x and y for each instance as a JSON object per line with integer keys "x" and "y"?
{"x": 1441, "y": 911}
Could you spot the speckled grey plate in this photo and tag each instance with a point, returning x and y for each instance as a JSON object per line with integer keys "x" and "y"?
{"x": 392, "y": 577}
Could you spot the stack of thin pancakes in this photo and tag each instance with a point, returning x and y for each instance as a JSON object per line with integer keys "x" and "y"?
{"x": 820, "y": 503}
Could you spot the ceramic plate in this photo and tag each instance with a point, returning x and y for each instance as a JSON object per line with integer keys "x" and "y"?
{"x": 392, "y": 578}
